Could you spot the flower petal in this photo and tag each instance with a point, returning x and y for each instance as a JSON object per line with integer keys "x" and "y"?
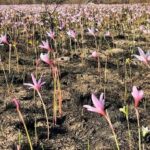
{"x": 141, "y": 94}
{"x": 90, "y": 108}
{"x": 33, "y": 79}
{"x": 96, "y": 102}
{"x": 141, "y": 52}
{"x": 141, "y": 58}
{"x": 28, "y": 84}
{"x": 101, "y": 99}
{"x": 134, "y": 91}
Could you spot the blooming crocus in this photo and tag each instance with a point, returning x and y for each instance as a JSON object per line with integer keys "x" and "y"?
{"x": 107, "y": 34}
{"x": 144, "y": 30}
{"x": 99, "y": 108}
{"x": 36, "y": 84}
{"x": 45, "y": 58}
{"x": 72, "y": 34}
{"x": 98, "y": 105}
{"x": 145, "y": 58}
{"x": 137, "y": 95}
{"x": 3, "y": 39}
{"x": 16, "y": 102}
{"x": 45, "y": 45}
{"x": 94, "y": 54}
{"x": 51, "y": 34}
{"x": 91, "y": 31}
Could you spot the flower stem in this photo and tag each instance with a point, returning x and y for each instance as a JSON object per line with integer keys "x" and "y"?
{"x": 26, "y": 130}
{"x": 59, "y": 97}
{"x": 98, "y": 61}
{"x": 46, "y": 116}
{"x": 8, "y": 88}
{"x": 9, "y": 57}
{"x": 113, "y": 131}
{"x": 129, "y": 133}
{"x": 55, "y": 101}
{"x": 138, "y": 123}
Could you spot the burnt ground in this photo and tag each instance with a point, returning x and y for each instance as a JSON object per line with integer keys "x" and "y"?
{"x": 77, "y": 129}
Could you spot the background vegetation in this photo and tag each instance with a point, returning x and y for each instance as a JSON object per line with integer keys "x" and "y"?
{"x": 71, "y": 1}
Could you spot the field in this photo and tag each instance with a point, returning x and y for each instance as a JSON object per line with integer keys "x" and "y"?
{"x": 56, "y": 59}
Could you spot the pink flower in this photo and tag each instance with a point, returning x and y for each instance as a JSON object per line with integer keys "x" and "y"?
{"x": 3, "y": 39}
{"x": 137, "y": 95}
{"x": 98, "y": 105}
{"x": 145, "y": 58}
{"x": 91, "y": 31}
{"x": 72, "y": 34}
{"x": 51, "y": 34}
{"x": 142, "y": 28}
{"x": 18, "y": 147}
{"x": 45, "y": 58}
{"x": 146, "y": 31}
{"x": 16, "y": 102}
{"x": 107, "y": 34}
{"x": 94, "y": 54}
{"x": 36, "y": 84}
{"x": 45, "y": 45}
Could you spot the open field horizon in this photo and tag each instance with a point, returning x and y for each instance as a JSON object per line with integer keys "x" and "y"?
{"x": 72, "y": 1}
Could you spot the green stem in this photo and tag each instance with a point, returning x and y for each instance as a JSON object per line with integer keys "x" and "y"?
{"x": 35, "y": 131}
{"x": 113, "y": 131}
{"x": 17, "y": 59}
{"x": 26, "y": 130}
{"x": 129, "y": 133}
{"x": 138, "y": 123}
{"x": 19, "y": 138}
{"x": 46, "y": 116}
{"x": 98, "y": 61}
{"x": 54, "y": 101}
{"x": 60, "y": 96}
{"x": 9, "y": 57}
{"x": 5, "y": 77}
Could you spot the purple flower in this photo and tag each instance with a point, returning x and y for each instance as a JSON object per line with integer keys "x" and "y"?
{"x": 98, "y": 105}
{"x": 51, "y": 34}
{"x": 45, "y": 58}
{"x": 94, "y": 54}
{"x": 36, "y": 84}
{"x": 91, "y": 31}
{"x": 45, "y": 45}
{"x": 72, "y": 34}
{"x": 107, "y": 34}
{"x": 145, "y": 58}
{"x": 3, "y": 39}
{"x": 137, "y": 95}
